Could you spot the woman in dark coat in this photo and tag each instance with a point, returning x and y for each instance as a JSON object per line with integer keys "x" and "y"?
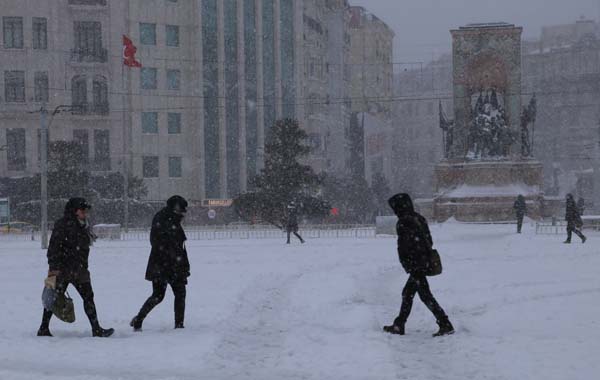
{"x": 68, "y": 254}
{"x": 168, "y": 263}
{"x": 291, "y": 223}
{"x": 414, "y": 247}
{"x": 573, "y": 218}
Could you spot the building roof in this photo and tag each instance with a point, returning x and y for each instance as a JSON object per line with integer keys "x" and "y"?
{"x": 488, "y": 25}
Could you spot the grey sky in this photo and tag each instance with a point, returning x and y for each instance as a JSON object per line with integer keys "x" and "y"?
{"x": 422, "y": 26}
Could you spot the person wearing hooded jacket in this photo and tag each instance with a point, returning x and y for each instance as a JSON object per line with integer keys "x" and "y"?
{"x": 68, "y": 254}
{"x": 414, "y": 247}
{"x": 168, "y": 263}
{"x": 574, "y": 221}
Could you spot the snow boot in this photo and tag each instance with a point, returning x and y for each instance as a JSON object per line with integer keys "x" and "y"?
{"x": 446, "y": 328}
{"x": 179, "y": 325}
{"x": 583, "y": 240}
{"x": 102, "y": 333}
{"x": 567, "y": 242}
{"x": 136, "y": 323}
{"x": 394, "y": 329}
{"x": 44, "y": 331}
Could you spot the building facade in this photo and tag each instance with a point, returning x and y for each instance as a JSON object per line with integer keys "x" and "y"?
{"x": 193, "y": 120}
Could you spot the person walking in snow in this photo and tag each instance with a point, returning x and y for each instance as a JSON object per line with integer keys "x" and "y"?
{"x": 414, "y": 248}
{"x": 168, "y": 264}
{"x": 68, "y": 254}
{"x": 520, "y": 208}
{"x": 291, "y": 223}
{"x": 573, "y": 218}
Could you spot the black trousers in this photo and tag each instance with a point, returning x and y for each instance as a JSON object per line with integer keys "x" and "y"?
{"x": 519, "y": 223}
{"x": 159, "y": 288}
{"x": 572, "y": 228}
{"x": 295, "y": 232}
{"x": 87, "y": 294}
{"x": 418, "y": 284}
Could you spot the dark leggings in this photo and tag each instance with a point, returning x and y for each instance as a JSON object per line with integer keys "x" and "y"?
{"x": 87, "y": 294}
{"x": 571, "y": 229}
{"x": 295, "y": 232}
{"x": 418, "y": 284}
{"x": 159, "y": 288}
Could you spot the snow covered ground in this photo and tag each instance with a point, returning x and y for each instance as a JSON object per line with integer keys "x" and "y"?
{"x": 525, "y": 307}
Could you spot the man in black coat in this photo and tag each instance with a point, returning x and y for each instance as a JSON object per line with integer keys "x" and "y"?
{"x": 291, "y": 223}
{"x": 520, "y": 208}
{"x": 414, "y": 248}
{"x": 574, "y": 221}
{"x": 68, "y": 254}
{"x": 168, "y": 263}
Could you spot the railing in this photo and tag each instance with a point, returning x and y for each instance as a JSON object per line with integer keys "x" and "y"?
{"x": 89, "y": 55}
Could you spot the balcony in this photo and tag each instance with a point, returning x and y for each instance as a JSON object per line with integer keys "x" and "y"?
{"x": 89, "y": 56}
{"x": 99, "y": 109}
{"x": 88, "y": 2}
{"x": 90, "y": 109}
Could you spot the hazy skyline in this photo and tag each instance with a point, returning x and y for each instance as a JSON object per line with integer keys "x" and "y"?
{"x": 422, "y": 26}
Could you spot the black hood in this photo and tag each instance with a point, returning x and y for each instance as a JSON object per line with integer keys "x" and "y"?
{"x": 177, "y": 203}
{"x": 401, "y": 204}
{"x": 75, "y": 204}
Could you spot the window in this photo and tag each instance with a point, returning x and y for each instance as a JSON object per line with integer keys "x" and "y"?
{"x": 13, "y": 32}
{"x": 79, "y": 94}
{"x": 148, "y": 78}
{"x": 174, "y": 121}
{"x": 173, "y": 79}
{"x": 14, "y": 86}
{"x": 81, "y": 136}
{"x": 149, "y": 122}
{"x": 88, "y": 42}
{"x": 87, "y": 2}
{"x": 15, "y": 141}
{"x": 102, "y": 150}
{"x": 40, "y": 33}
{"x": 175, "y": 167}
{"x": 172, "y": 35}
{"x": 100, "y": 95}
{"x": 150, "y": 166}
{"x": 41, "y": 93}
{"x": 147, "y": 33}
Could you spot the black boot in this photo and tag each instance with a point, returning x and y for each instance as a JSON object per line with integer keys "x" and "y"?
{"x": 44, "y": 331}
{"x": 567, "y": 241}
{"x": 102, "y": 333}
{"x": 179, "y": 325}
{"x": 136, "y": 323}
{"x": 394, "y": 329}
{"x": 583, "y": 239}
{"x": 446, "y": 328}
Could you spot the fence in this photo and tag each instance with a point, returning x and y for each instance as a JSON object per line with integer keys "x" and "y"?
{"x": 557, "y": 227}
{"x": 231, "y": 232}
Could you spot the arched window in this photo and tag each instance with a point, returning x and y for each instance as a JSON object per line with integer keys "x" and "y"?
{"x": 100, "y": 93}
{"x": 79, "y": 94}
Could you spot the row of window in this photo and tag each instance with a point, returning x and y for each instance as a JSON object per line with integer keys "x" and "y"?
{"x": 150, "y": 123}
{"x": 12, "y": 28}
{"x": 149, "y": 78}
{"x": 151, "y": 167}
{"x": 14, "y": 86}
{"x": 148, "y": 34}
{"x": 16, "y": 152}
{"x": 79, "y": 95}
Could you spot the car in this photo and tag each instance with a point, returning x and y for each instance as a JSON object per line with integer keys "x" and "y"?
{"x": 17, "y": 227}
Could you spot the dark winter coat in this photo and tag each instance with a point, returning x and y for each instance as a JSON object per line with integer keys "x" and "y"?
{"x": 292, "y": 221}
{"x": 414, "y": 238}
{"x": 69, "y": 248}
{"x": 168, "y": 259}
{"x": 572, "y": 215}
{"x": 520, "y": 207}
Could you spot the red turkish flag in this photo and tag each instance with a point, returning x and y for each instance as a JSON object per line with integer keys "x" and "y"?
{"x": 129, "y": 51}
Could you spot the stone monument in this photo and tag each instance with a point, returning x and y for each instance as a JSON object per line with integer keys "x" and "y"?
{"x": 488, "y": 153}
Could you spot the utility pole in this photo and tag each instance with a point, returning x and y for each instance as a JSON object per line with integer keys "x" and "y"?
{"x": 44, "y": 176}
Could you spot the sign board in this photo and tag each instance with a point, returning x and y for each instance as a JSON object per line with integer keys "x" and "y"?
{"x": 217, "y": 203}
{"x": 4, "y": 210}
{"x": 212, "y": 214}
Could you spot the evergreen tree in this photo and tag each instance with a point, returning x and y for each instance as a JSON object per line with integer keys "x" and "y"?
{"x": 283, "y": 179}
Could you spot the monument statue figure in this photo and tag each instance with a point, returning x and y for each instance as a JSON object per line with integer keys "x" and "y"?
{"x": 528, "y": 116}
{"x": 447, "y": 127}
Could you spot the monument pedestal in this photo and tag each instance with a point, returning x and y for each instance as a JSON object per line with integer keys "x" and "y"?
{"x": 485, "y": 191}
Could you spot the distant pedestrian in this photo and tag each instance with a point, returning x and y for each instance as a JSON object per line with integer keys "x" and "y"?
{"x": 168, "y": 264}
{"x": 414, "y": 250}
{"x": 68, "y": 254}
{"x": 291, "y": 222}
{"x": 520, "y": 208}
{"x": 574, "y": 221}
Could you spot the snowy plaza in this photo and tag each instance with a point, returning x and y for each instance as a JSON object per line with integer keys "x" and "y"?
{"x": 524, "y": 307}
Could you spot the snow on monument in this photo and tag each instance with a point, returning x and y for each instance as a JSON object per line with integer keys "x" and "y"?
{"x": 488, "y": 149}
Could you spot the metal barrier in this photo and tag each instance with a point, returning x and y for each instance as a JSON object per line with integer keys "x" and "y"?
{"x": 550, "y": 228}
